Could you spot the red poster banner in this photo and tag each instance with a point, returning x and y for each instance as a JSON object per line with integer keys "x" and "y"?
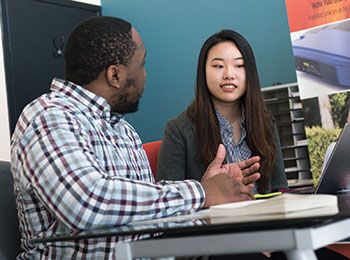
{"x": 320, "y": 36}
{"x": 303, "y": 14}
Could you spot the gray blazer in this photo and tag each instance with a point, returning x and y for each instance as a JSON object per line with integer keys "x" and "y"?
{"x": 178, "y": 159}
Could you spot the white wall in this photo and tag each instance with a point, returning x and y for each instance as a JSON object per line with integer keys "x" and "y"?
{"x": 4, "y": 118}
{"x": 92, "y": 2}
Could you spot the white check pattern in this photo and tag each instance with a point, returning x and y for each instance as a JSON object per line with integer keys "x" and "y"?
{"x": 78, "y": 166}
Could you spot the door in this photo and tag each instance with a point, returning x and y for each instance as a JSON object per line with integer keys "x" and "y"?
{"x": 35, "y": 32}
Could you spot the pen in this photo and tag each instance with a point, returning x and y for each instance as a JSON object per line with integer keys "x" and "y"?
{"x": 267, "y": 195}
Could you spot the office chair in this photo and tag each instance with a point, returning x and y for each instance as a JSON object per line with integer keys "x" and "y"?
{"x": 152, "y": 149}
{"x": 9, "y": 227}
{"x": 343, "y": 249}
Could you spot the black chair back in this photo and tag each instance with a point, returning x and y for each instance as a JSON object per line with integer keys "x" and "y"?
{"x": 9, "y": 228}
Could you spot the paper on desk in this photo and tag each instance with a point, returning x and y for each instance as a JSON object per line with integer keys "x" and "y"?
{"x": 316, "y": 212}
{"x": 281, "y": 207}
{"x": 283, "y": 204}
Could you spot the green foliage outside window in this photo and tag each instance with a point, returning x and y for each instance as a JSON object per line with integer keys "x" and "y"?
{"x": 339, "y": 109}
{"x": 318, "y": 141}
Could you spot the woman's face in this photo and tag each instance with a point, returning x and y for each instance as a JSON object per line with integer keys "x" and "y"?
{"x": 225, "y": 73}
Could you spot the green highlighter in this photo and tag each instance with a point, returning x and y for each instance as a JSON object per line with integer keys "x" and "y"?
{"x": 267, "y": 195}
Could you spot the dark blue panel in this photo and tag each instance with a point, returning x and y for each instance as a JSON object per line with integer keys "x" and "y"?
{"x": 173, "y": 32}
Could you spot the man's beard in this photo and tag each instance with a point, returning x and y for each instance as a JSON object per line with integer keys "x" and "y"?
{"x": 126, "y": 102}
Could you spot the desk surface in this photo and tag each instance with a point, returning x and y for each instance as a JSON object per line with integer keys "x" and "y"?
{"x": 207, "y": 226}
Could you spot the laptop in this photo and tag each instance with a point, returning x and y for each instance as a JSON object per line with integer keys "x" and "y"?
{"x": 335, "y": 177}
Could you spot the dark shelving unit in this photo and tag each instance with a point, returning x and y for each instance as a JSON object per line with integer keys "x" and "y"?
{"x": 284, "y": 103}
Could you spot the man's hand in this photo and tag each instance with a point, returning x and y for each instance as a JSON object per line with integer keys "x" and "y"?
{"x": 225, "y": 188}
{"x": 230, "y": 182}
{"x": 248, "y": 167}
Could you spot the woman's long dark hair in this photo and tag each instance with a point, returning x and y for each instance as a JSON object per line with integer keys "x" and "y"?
{"x": 258, "y": 121}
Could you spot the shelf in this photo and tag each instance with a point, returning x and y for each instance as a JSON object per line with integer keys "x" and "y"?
{"x": 295, "y": 134}
{"x": 296, "y": 169}
{"x": 296, "y": 146}
{"x": 302, "y": 142}
{"x": 293, "y": 121}
{"x": 298, "y": 183}
{"x": 295, "y": 158}
{"x": 276, "y": 100}
{"x": 286, "y": 112}
{"x": 283, "y": 102}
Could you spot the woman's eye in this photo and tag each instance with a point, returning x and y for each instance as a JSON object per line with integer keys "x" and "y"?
{"x": 218, "y": 66}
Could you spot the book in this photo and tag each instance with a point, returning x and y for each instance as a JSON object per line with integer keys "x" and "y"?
{"x": 298, "y": 205}
{"x": 315, "y": 212}
{"x": 285, "y": 206}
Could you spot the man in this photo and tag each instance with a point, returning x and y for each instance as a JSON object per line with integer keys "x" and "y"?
{"x": 77, "y": 163}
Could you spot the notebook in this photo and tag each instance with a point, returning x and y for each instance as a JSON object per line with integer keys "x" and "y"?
{"x": 288, "y": 205}
{"x": 335, "y": 177}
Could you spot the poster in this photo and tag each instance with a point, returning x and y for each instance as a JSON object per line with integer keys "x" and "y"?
{"x": 324, "y": 119}
{"x": 320, "y": 36}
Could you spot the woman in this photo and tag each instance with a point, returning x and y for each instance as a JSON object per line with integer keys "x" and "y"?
{"x": 228, "y": 108}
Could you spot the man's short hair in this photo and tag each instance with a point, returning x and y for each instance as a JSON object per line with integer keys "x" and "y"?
{"x": 94, "y": 45}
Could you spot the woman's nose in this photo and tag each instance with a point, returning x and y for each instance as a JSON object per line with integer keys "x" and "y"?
{"x": 229, "y": 73}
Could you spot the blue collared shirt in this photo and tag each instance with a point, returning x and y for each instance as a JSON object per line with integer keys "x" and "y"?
{"x": 235, "y": 152}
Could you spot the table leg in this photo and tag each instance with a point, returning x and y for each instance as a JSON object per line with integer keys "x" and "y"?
{"x": 123, "y": 251}
{"x": 301, "y": 255}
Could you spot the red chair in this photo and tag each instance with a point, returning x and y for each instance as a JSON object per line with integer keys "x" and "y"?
{"x": 343, "y": 249}
{"x": 152, "y": 149}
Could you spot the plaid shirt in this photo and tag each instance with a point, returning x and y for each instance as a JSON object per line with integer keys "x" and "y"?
{"x": 235, "y": 152}
{"x": 78, "y": 166}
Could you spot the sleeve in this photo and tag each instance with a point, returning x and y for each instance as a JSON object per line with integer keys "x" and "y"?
{"x": 172, "y": 154}
{"x": 66, "y": 176}
{"x": 279, "y": 178}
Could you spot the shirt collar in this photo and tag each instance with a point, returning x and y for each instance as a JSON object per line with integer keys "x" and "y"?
{"x": 223, "y": 122}
{"x": 88, "y": 99}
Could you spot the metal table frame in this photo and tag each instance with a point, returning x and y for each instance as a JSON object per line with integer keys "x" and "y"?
{"x": 297, "y": 243}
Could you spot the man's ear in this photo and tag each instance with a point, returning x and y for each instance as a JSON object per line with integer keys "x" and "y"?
{"x": 115, "y": 75}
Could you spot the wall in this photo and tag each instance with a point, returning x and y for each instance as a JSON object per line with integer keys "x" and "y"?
{"x": 173, "y": 32}
{"x": 4, "y": 119}
{"x": 92, "y": 2}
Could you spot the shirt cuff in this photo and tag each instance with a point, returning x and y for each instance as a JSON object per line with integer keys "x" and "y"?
{"x": 192, "y": 193}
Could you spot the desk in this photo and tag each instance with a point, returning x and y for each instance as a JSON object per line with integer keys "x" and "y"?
{"x": 298, "y": 237}
{"x": 298, "y": 243}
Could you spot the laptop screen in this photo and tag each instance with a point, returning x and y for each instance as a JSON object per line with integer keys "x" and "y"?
{"x": 335, "y": 177}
